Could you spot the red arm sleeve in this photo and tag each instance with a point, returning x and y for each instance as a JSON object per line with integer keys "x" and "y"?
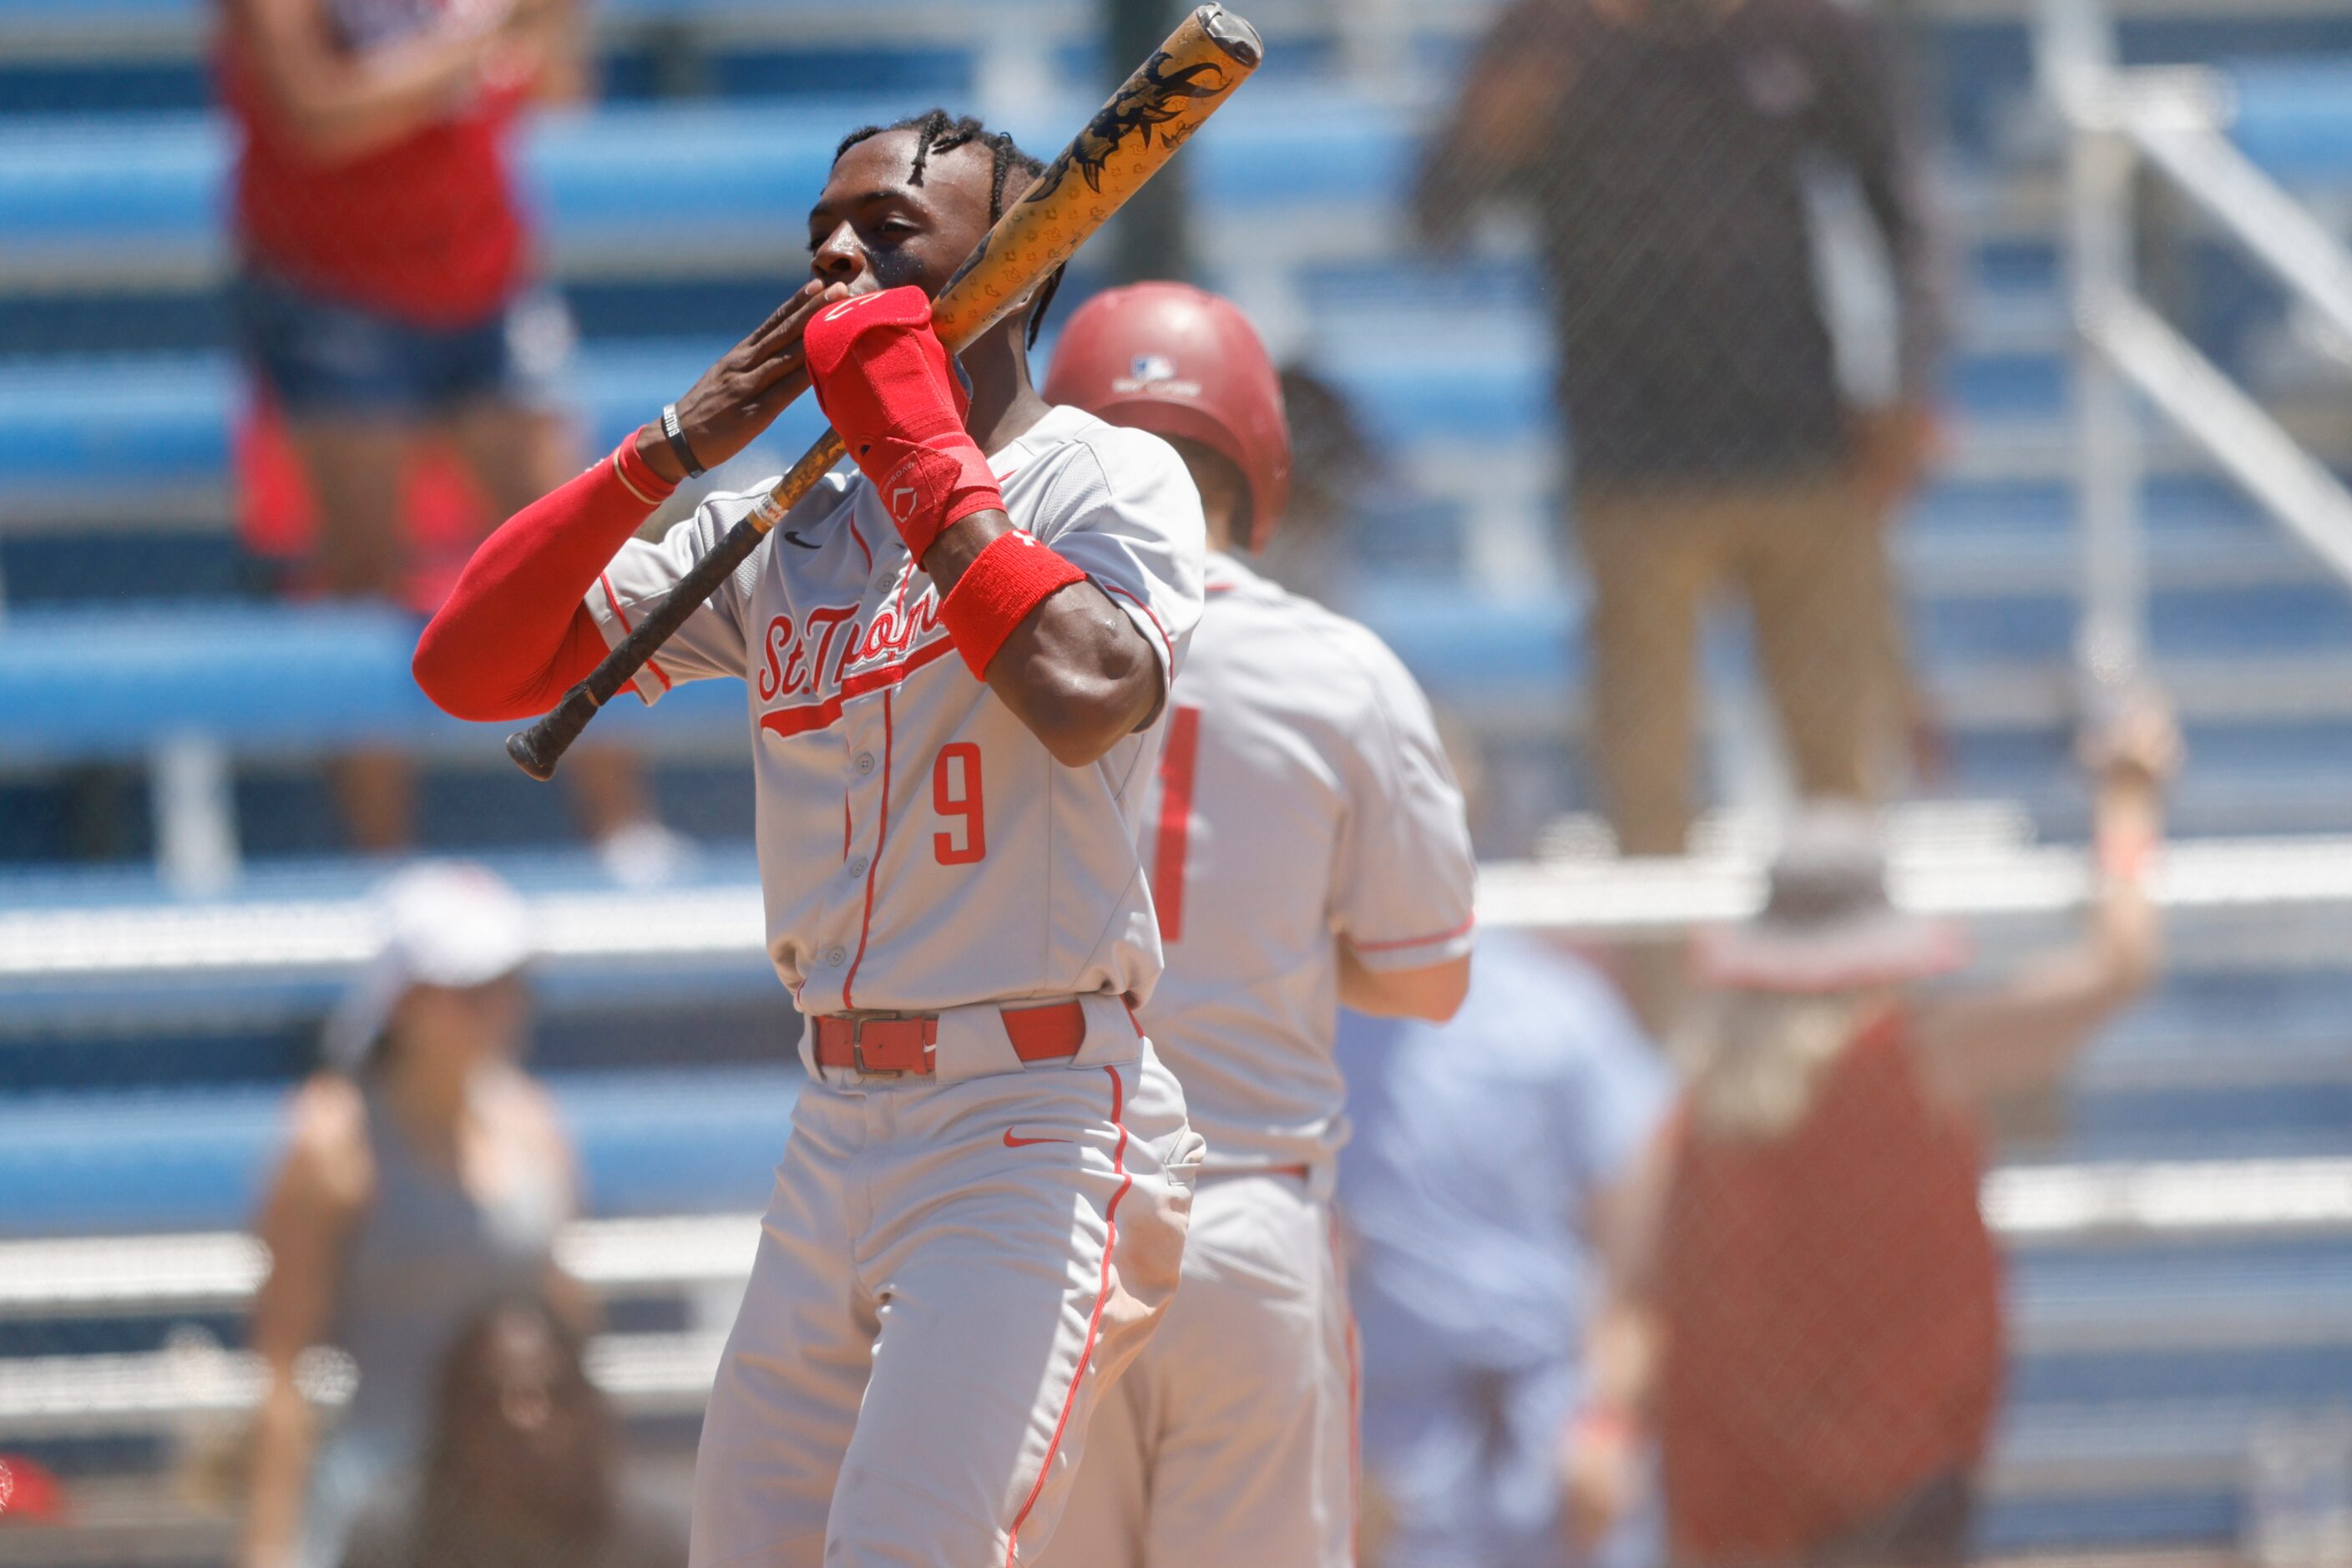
{"x": 515, "y": 635}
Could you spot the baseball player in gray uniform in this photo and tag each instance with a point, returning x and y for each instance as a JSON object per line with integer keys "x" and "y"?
{"x": 1308, "y": 847}
{"x": 956, "y": 655}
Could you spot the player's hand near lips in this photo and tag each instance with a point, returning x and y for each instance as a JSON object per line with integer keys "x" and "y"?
{"x": 740, "y": 396}
{"x": 891, "y": 392}
{"x": 1073, "y": 668}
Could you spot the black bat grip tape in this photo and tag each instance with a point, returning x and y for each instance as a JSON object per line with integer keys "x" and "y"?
{"x": 538, "y": 749}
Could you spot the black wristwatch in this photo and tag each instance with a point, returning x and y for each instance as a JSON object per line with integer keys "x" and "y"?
{"x": 674, "y": 433}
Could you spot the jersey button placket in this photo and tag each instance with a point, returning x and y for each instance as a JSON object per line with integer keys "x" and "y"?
{"x": 861, "y": 783}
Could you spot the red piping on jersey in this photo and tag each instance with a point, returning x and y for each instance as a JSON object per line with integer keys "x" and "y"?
{"x": 807, "y": 716}
{"x": 1176, "y": 766}
{"x": 1114, "y": 588}
{"x": 1462, "y": 930}
{"x": 859, "y": 539}
{"x": 1355, "y": 1395}
{"x": 881, "y": 837}
{"x": 1094, "y": 1322}
{"x": 622, "y": 616}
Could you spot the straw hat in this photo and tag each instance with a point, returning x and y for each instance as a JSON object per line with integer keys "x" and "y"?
{"x": 1827, "y": 924}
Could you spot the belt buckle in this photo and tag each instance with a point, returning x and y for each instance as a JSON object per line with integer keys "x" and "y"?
{"x": 857, "y": 1044}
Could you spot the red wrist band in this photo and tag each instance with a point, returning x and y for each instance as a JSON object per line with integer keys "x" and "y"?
{"x": 1006, "y": 581}
{"x": 637, "y": 474}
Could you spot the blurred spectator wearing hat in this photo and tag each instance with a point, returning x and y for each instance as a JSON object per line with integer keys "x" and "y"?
{"x": 387, "y": 304}
{"x": 1823, "y": 1279}
{"x": 1664, "y": 149}
{"x": 523, "y": 1468}
{"x": 426, "y": 1176}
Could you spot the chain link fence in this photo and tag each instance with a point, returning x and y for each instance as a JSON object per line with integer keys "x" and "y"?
{"x": 1686, "y": 388}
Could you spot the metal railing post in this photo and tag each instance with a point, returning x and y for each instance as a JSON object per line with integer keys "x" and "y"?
{"x": 2078, "y": 71}
{"x": 193, "y": 800}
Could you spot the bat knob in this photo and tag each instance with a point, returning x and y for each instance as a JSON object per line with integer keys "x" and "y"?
{"x": 537, "y": 750}
{"x": 531, "y": 753}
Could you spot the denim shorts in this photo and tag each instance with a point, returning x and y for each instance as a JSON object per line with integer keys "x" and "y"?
{"x": 318, "y": 355}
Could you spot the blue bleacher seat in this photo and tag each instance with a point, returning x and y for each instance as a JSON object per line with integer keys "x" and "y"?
{"x": 650, "y": 1142}
{"x": 2294, "y": 119}
{"x": 739, "y": 176}
{"x": 115, "y": 683}
{"x": 89, "y": 429}
{"x": 92, "y": 427}
{"x": 1433, "y": 355}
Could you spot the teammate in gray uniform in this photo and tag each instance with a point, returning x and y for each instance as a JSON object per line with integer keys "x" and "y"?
{"x": 1308, "y": 848}
{"x": 954, "y": 705}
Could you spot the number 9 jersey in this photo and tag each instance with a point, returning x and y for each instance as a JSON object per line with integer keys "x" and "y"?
{"x": 919, "y": 850}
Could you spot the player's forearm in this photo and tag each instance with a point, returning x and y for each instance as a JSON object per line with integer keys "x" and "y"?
{"x": 1432, "y": 991}
{"x": 515, "y": 632}
{"x": 1078, "y": 674}
{"x": 1074, "y": 669}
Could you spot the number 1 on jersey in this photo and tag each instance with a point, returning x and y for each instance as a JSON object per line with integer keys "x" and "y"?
{"x": 1176, "y": 762}
{"x": 956, "y": 796}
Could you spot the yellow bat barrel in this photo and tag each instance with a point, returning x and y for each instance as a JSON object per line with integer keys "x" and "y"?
{"x": 1170, "y": 96}
{"x": 1129, "y": 141}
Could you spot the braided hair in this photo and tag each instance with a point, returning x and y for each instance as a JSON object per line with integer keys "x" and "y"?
{"x": 938, "y": 132}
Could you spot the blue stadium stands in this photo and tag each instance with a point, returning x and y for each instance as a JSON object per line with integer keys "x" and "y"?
{"x": 115, "y": 683}
{"x": 148, "y": 1101}
{"x": 651, "y": 1143}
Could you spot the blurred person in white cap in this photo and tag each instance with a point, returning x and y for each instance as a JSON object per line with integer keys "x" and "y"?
{"x": 426, "y": 1176}
{"x": 1822, "y": 1285}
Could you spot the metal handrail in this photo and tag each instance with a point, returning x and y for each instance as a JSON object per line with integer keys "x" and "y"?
{"x": 216, "y": 1272}
{"x": 2170, "y": 122}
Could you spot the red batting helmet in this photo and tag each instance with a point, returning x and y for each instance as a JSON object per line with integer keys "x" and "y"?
{"x": 1178, "y": 361}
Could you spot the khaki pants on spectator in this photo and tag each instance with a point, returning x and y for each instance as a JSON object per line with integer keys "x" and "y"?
{"x": 1810, "y": 558}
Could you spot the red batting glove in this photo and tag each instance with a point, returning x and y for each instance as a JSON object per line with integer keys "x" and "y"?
{"x": 885, "y": 379}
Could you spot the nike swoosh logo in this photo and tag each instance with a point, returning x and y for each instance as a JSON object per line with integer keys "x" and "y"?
{"x": 1013, "y": 1142}
{"x": 791, "y": 538}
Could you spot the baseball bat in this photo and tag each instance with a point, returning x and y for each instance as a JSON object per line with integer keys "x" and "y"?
{"x": 1157, "y": 110}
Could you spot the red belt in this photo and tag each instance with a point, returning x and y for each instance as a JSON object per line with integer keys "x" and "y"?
{"x": 895, "y": 1045}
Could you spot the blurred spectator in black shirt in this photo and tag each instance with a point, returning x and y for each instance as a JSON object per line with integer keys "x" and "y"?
{"x": 523, "y": 1468}
{"x": 1664, "y": 149}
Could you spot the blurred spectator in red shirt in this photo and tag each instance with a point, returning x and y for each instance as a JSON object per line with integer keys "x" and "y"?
{"x": 1826, "y": 1291}
{"x": 386, "y": 290}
